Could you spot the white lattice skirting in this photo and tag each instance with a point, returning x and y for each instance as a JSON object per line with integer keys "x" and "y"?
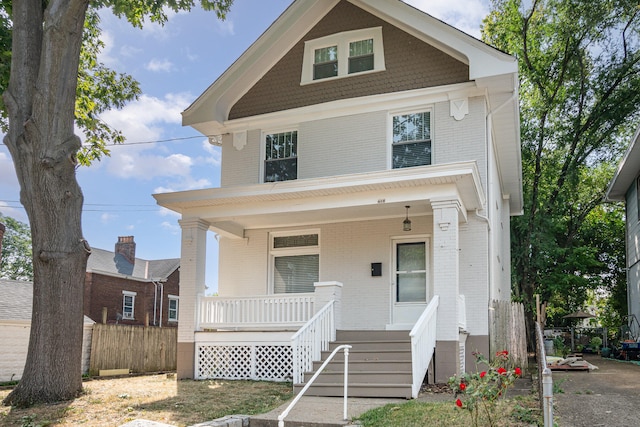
{"x": 244, "y": 362}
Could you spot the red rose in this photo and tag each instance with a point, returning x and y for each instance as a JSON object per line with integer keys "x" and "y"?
{"x": 501, "y": 371}
{"x": 518, "y": 371}
{"x": 459, "y": 403}
{"x": 462, "y": 386}
{"x": 482, "y": 374}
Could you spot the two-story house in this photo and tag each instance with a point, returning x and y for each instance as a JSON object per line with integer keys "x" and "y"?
{"x": 121, "y": 288}
{"x": 370, "y": 166}
{"x": 625, "y": 187}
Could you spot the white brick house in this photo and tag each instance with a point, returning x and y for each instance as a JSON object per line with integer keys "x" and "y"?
{"x": 342, "y": 121}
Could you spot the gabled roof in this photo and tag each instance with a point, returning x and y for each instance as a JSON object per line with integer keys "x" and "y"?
{"x": 627, "y": 171}
{"x": 484, "y": 61}
{"x": 493, "y": 72}
{"x": 106, "y": 262}
{"x": 17, "y": 301}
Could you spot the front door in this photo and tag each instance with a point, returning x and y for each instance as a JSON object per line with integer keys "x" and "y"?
{"x": 410, "y": 291}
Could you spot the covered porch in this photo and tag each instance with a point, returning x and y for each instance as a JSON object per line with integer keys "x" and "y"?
{"x": 439, "y": 197}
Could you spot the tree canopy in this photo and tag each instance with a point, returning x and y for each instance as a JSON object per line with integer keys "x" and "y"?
{"x": 579, "y": 67}
{"x": 52, "y": 80}
{"x": 15, "y": 261}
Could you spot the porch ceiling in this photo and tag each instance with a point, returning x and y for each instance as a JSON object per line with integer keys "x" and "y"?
{"x": 231, "y": 210}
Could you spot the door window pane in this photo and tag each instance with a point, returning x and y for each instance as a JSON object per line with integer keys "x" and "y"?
{"x": 411, "y": 272}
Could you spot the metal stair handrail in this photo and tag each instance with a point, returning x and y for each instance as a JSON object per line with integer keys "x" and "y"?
{"x": 344, "y": 347}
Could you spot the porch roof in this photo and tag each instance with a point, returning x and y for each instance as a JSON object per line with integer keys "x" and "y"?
{"x": 231, "y": 210}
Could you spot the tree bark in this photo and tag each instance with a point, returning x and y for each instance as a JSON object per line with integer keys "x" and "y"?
{"x": 40, "y": 102}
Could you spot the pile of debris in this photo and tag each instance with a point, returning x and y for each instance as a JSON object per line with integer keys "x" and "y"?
{"x": 573, "y": 362}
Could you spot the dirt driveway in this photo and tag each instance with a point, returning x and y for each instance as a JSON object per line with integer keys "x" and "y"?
{"x": 607, "y": 396}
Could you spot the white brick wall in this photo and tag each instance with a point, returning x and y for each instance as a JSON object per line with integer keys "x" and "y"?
{"x": 358, "y": 143}
{"x": 473, "y": 274}
{"x": 350, "y": 144}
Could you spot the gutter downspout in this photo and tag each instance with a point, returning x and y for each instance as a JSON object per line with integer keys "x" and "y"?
{"x": 161, "y": 300}
{"x": 155, "y": 302}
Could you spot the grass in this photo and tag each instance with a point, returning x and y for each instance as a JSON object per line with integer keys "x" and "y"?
{"x": 519, "y": 411}
{"x": 116, "y": 401}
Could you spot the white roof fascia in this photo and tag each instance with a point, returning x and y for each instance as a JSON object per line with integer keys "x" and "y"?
{"x": 627, "y": 171}
{"x": 187, "y": 201}
{"x": 215, "y": 103}
{"x": 125, "y": 276}
{"x": 260, "y": 57}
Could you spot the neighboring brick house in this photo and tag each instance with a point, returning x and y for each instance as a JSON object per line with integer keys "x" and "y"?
{"x": 131, "y": 290}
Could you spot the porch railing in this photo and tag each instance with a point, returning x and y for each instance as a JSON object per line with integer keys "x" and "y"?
{"x": 462, "y": 313}
{"x": 254, "y": 312}
{"x": 310, "y": 340}
{"x": 423, "y": 344}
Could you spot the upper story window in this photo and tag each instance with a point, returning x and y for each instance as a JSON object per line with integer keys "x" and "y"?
{"x": 128, "y": 304}
{"x": 281, "y": 156}
{"x": 325, "y": 62}
{"x": 173, "y": 308}
{"x": 411, "y": 145}
{"x": 343, "y": 54}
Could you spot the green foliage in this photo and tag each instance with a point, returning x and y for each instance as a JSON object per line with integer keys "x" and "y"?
{"x": 579, "y": 68}
{"x": 16, "y": 262}
{"x": 100, "y": 88}
{"x": 482, "y": 389}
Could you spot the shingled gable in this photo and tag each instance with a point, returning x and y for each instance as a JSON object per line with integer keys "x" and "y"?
{"x": 485, "y": 69}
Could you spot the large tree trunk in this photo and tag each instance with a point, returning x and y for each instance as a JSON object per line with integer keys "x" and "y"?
{"x": 40, "y": 102}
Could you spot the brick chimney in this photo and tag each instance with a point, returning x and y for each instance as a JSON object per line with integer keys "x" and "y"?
{"x": 127, "y": 248}
{"x": 2, "y": 229}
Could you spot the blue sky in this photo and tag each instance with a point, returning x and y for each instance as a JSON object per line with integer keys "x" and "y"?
{"x": 174, "y": 64}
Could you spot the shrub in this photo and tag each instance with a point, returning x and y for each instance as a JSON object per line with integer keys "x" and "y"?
{"x": 479, "y": 391}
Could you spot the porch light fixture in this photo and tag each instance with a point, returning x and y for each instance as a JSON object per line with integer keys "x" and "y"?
{"x": 406, "y": 224}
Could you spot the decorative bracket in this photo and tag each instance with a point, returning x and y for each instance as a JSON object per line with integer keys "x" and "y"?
{"x": 239, "y": 140}
{"x": 458, "y": 108}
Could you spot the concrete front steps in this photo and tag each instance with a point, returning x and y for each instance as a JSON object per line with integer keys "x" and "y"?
{"x": 379, "y": 366}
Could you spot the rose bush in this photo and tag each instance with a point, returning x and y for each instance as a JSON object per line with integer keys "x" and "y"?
{"x": 481, "y": 389}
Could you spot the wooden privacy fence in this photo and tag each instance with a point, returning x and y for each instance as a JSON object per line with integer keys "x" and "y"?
{"x": 137, "y": 348}
{"x": 508, "y": 330}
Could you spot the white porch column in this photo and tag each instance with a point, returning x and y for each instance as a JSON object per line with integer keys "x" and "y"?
{"x": 446, "y": 285}
{"x": 192, "y": 273}
{"x": 325, "y": 292}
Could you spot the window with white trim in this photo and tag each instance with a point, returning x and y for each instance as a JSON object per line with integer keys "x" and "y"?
{"x": 295, "y": 262}
{"x": 411, "y": 140}
{"x": 281, "y": 156}
{"x": 343, "y": 54}
{"x": 173, "y": 308}
{"x": 128, "y": 304}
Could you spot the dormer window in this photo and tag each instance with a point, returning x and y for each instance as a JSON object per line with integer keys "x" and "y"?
{"x": 342, "y": 55}
{"x": 326, "y": 63}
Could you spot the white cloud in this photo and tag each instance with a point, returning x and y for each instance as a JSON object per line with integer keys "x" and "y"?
{"x": 8, "y": 176}
{"x": 106, "y": 218}
{"x": 184, "y": 184}
{"x": 225, "y": 28}
{"x": 171, "y": 227}
{"x": 465, "y": 15}
{"x": 214, "y": 153}
{"x": 167, "y": 212}
{"x": 15, "y": 213}
{"x": 159, "y": 65}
